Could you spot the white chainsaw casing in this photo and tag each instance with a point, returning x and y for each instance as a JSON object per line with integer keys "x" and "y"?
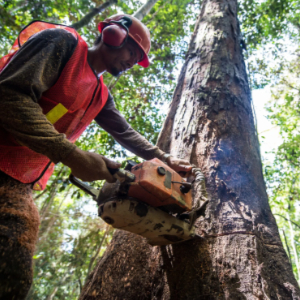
{"x": 157, "y": 226}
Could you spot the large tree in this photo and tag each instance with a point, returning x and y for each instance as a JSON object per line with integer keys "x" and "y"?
{"x": 210, "y": 122}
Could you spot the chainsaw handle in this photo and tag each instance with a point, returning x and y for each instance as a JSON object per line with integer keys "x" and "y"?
{"x": 85, "y": 187}
{"x": 121, "y": 175}
{"x": 112, "y": 171}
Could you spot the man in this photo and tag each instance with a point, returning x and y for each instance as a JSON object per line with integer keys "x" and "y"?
{"x": 51, "y": 88}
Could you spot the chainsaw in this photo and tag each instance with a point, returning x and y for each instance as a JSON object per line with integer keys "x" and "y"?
{"x": 149, "y": 199}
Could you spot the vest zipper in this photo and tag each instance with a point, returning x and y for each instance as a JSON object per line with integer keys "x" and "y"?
{"x": 98, "y": 81}
{"x": 41, "y": 175}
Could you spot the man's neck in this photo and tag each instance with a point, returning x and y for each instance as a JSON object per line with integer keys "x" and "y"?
{"x": 95, "y": 60}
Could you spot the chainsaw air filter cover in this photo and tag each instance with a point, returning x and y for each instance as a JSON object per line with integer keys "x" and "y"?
{"x": 160, "y": 186}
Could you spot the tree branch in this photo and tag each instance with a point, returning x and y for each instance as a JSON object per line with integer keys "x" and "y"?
{"x": 144, "y": 10}
{"x": 287, "y": 220}
{"x": 287, "y": 246}
{"x": 80, "y": 284}
{"x": 290, "y": 86}
{"x": 96, "y": 254}
{"x": 87, "y": 18}
{"x": 52, "y": 186}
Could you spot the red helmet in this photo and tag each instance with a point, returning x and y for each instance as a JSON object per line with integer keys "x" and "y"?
{"x": 136, "y": 30}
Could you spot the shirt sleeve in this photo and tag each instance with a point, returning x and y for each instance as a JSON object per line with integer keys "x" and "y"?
{"x": 33, "y": 70}
{"x": 111, "y": 120}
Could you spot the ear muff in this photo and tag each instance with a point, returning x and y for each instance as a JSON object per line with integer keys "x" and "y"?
{"x": 115, "y": 34}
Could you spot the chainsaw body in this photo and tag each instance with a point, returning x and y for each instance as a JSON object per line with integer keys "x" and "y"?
{"x": 159, "y": 186}
{"x": 144, "y": 200}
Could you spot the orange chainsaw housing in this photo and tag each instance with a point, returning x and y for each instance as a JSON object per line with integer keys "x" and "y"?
{"x": 157, "y": 189}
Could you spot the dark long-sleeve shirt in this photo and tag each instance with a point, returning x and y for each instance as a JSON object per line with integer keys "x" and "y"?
{"x": 33, "y": 70}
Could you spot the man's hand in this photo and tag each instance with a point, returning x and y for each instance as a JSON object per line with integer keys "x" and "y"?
{"x": 179, "y": 165}
{"x": 89, "y": 166}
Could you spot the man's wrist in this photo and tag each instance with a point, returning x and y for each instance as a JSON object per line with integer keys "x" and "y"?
{"x": 165, "y": 157}
{"x": 63, "y": 151}
{"x": 72, "y": 157}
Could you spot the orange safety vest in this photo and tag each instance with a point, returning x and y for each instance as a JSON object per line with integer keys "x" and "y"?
{"x": 70, "y": 105}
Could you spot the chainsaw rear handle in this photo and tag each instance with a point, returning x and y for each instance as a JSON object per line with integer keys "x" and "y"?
{"x": 122, "y": 175}
{"x": 119, "y": 174}
{"x": 85, "y": 187}
{"x": 112, "y": 171}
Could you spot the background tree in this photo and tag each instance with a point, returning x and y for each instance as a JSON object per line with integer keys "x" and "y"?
{"x": 273, "y": 57}
{"x": 283, "y": 176}
{"x": 210, "y": 123}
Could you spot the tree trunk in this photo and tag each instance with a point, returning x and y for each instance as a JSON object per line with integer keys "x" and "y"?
{"x": 210, "y": 123}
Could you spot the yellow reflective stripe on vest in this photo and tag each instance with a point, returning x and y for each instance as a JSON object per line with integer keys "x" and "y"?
{"x": 56, "y": 113}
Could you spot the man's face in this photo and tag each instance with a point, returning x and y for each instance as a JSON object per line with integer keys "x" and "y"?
{"x": 124, "y": 58}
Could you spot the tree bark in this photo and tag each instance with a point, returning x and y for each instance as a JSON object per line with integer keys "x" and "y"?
{"x": 210, "y": 123}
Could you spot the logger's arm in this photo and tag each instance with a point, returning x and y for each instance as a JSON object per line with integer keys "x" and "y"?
{"x": 111, "y": 120}
{"x": 33, "y": 70}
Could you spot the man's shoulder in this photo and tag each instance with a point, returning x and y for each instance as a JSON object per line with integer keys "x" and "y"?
{"x": 58, "y": 36}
